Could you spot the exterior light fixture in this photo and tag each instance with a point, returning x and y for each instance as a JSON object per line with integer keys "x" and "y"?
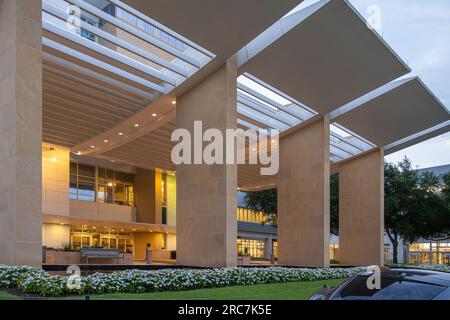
{"x": 174, "y": 102}
{"x": 136, "y": 125}
{"x": 105, "y": 141}
{"x": 154, "y": 115}
{"x": 92, "y": 147}
{"x": 120, "y": 133}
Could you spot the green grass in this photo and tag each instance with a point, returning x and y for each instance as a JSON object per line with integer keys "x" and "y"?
{"x": 8, "y": 296}
{"x": 278, "y": 291}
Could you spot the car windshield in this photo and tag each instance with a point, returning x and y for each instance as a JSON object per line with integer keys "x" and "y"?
{"x": 391, "y": 289}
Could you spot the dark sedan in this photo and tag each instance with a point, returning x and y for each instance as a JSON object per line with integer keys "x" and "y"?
{"x": 395, "y": 284}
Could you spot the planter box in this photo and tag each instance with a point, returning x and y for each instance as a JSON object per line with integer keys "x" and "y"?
{"x": 62, "y": 257}
{"x": 243, "y": 260}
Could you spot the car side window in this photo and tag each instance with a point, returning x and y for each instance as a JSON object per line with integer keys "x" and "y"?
{"x": 444, "y": 295}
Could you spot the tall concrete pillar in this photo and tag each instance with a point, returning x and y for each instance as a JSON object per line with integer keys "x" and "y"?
{"x": 361, "y": 210}
{"x": 20, "y": 132}
{"x": 304, "y": 196}
{"x": 206, "y": 194}
{"x": 268, "y": 250}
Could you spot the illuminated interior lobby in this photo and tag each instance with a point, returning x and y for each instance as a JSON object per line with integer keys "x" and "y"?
{"x": 91, "y": 91}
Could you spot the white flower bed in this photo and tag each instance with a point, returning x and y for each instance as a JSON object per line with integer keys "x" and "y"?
{"x": 36, "y": 281}
{"x": 432, "y": 267}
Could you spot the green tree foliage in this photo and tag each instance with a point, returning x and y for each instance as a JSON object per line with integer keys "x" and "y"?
{"x": 415, "y": 207}
{"x": 265, "y": 201}
{"x": 334, "y": 204}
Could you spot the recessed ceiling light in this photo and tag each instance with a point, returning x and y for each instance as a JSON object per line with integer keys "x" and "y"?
{"x": 154, "y": 115}
{"x": 120, "y": 133}
{"x": 136, "y": 124}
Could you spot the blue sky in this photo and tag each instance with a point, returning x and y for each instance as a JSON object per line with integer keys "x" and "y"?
{"x": 419, "y": 32}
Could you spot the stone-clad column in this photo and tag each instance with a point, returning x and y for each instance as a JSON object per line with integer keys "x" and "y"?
{"x": 206, "y": 194}
{"x": 20, "y": 132}
{"x": 361, "y": 210}
{"x": 304, "y": 197}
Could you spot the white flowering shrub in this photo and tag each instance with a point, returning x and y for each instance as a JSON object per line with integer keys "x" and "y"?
{"x": 36, "y": 281}
{"x": 431, "y": 267}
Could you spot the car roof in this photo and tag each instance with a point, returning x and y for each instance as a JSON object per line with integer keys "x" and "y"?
{"x": 420, "y": 275}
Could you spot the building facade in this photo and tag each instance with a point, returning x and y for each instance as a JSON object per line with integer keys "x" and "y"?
{"x": 92, "y": 91}
{"x": 88, "y": 202}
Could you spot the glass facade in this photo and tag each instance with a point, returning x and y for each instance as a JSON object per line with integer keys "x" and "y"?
{"x": 436, "y": 252}
{"x": 334, "y": 252}
{"x": 164, "y": 198}
{"x": 101, "y": 237}
{"x": 248, "y": 215}
{"x": 255, "y": 248}
{"x": 85, "y": 33}
{"x": 113, "y": 187}
{"x": 82, "y": 182}
{"x": 275, "y": 248}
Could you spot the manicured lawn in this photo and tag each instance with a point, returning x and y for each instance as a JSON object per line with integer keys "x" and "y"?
{"x": 277, "y": 291}
{"x": 8, "y": 296}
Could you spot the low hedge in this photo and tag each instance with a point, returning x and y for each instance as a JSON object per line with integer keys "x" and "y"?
{"x": 431, "y": 267}
{"x": 36, "y": 281}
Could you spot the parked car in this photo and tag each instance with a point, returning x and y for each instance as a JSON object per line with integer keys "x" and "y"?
{"x": 396, "y": 284}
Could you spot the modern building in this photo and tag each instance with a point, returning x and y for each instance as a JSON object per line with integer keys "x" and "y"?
{"x": 91, "y": 92}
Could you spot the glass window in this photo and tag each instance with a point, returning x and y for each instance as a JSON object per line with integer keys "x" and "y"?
{"x": 105, "y": 185}
{"x": 86, "y": 182}
{"x": 164, "y": 215}
{"x": 85, "y": 33}
{"x": 275, "y": 248}
{"x": 115, "y": 187}
{"x": 82, "y": 182}
{"x": 255, "y": 248}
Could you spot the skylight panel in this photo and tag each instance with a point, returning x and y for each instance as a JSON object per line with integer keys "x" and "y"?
{"x": 263, "y": 90}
